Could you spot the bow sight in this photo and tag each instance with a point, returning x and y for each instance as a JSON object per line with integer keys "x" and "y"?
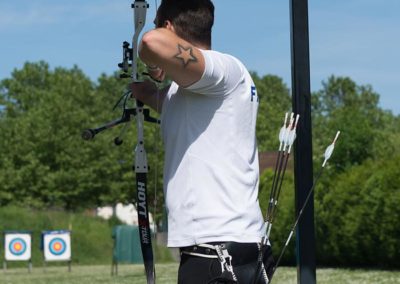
{"x": 127, "y": 55}
{"x": 129, "y": 63}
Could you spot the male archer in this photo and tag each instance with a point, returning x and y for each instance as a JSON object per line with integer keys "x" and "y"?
{"x": 208, "y": 124}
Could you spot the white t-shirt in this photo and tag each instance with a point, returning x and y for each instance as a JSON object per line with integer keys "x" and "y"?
{"x": 211, "y": 160}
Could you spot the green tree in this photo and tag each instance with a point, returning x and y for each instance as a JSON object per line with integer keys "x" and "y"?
{"x": 274, "y": 103}
{"x": 358, "y": 216}
{"x": 352, "y": 109}
{"x": 44, "y": 161}
{"x": 387, "y": 137}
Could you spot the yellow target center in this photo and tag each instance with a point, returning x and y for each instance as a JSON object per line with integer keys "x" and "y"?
{"x": 57, "y": 246}
{"x": 17, "y": 246}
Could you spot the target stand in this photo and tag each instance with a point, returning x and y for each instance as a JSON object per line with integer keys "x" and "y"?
{"x": 17, "y": 247}
{"x": 56, "y": 246}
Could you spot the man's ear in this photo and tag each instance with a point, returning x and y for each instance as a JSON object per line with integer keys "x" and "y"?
{"x": 168, "y": 25}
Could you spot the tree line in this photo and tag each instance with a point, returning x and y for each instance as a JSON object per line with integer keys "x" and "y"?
{"x": 44, "y": 163}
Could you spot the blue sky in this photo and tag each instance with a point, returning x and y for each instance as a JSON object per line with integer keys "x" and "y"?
{"x": 355, "y": 38}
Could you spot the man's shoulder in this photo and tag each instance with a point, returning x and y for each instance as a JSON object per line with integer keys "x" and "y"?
{"x": 222, "y": 55}
{"x": 226, "y": 61}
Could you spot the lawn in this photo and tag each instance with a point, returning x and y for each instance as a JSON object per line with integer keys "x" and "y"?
{"x": 166, "y": 274}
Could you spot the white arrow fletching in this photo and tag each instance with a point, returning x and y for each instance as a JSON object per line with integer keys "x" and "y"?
{"x": 288, "y": 131}
{"x": 282, "y": 134}
{"x": 297, "y": 120}
{"x": 329, "y": 149}
{"x": 283, "y": 128}
{"x": 291, "y": 139}
{"x": 292, "y": 134}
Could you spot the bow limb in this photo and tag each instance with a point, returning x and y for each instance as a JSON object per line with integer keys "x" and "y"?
{"x": 141, "y": 166}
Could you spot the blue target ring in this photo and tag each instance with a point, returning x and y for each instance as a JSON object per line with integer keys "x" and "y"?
{"x": 17, "y": 246}
{"x": 57, "y": 246}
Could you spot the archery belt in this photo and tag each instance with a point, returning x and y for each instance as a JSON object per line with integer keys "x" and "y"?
{"x": 229, "y": 255}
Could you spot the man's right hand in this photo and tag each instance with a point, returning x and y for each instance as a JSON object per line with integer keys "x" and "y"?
{"x": 156, "y": 73}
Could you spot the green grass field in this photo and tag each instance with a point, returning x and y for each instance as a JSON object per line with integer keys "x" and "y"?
{"x": 166, "y": 274}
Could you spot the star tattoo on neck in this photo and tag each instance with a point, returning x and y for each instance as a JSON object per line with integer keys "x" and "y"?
{"x": 185, "y": 55}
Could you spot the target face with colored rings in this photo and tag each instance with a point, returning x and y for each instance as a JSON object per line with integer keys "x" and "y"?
{"x": 57, "y": 246}
{"x": 17, "y": 246}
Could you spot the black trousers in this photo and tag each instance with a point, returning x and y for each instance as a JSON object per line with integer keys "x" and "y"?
{"x": 201, "y": 270}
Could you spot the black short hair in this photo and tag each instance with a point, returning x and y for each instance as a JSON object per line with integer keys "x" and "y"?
{"x": 192, "y": 19}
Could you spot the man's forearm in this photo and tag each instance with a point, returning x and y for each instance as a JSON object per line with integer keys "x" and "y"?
{"x": 149, "y": 94}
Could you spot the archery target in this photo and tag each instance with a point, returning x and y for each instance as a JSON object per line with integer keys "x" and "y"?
{"x": 57, "y": 246}
{"x": 17, "y": 247}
